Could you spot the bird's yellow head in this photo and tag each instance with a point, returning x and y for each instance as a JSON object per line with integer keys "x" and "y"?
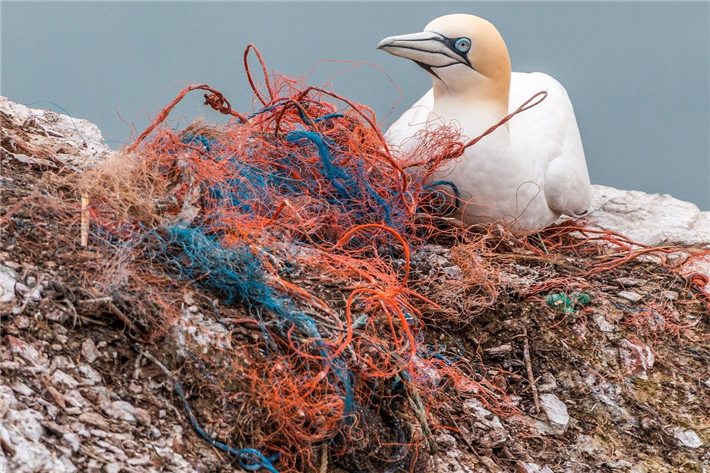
{"x": 464, "y": 54}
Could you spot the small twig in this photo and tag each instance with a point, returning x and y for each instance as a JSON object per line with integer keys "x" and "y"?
{"x": 115, "y": 311}
{"x": 528, "y": 366}
{"x": 96, "y": 301}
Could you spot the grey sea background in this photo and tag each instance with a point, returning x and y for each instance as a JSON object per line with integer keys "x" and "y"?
{"x": 638, "y": 73}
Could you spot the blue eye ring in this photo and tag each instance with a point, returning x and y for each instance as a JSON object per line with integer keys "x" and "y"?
{"x": 463, "y": 45}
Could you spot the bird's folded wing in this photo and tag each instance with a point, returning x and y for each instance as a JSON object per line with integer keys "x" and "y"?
{"x": 550, "y": 132}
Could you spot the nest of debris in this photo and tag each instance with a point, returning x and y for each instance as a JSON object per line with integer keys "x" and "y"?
{"x": 284, "y": 277}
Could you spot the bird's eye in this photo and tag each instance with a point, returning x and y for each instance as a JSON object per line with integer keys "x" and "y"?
{"x": 463, "y": 44}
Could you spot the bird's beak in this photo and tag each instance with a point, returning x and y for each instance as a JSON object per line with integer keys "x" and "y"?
{"x": 426, "y": 49}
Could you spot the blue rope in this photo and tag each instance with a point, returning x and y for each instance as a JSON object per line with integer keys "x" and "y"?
{"x": 248, "y": 458}
{"x": 237, "y": 275}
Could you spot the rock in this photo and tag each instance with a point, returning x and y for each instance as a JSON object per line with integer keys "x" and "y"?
{"x": 630, "y": 296}
{"x": 122, "y": 410}
{"x": 74, "y": 398}
{"x": 499, "y": 350}
{"x": 25, "y": 350}
{"x": 71, "y": 140}
{"x": 143, "y": 416}
{"x": 139, "y": 461}
{"x": 8, "y": 279}
{"x": 57, "y": 315}
{"x": 94, "y": 419}
{"x": 60, "y": 378}
{"x": 636, "y": 357}
{"x": 27, "y": 421}
{"x": 89, "y": 351}
{"x": 687, "y": 438}
{"x": 21, "y": 322}
{"x": 618, "y": 464}
{"x": 650, "y": 219}
{"x": 480, "y": 415}
{"x": 452, "y": 272}
{"x": 549, "y": 383}
{"x": 446, "y": 440}
{"x": 72, "y": 440}
{"x": 91, "y": 376}
{"x": 20, "y": 388}
{"x": 61, "y": 362}
{"x": 522, "y": 467}
{"x": 628, "y": 282}
{"x": 495, "y": 438}
{"x": 670, "y": 295}
{"x": 114, "y": 467}
{"x": 603, "y": 323}
{"x": 556, "y": 412}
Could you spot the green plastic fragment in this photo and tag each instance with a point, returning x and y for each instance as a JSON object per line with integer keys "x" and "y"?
{"x": 582, "y": 298}
{"x": 565, "y": 304}
{"x": 561, "y": 302}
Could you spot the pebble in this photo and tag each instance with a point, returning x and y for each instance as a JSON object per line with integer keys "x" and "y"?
{"x": 79, "y": 429}
{"x": 630, "y": 296}
{"x": 556, "y": 412}
{"x": 143, "y": 416}
{"x": 8, "y": 280}
{"x": 670, "y": 295}
{"x": 72, "y": 440}
{"x": 481, "y": 415}
{"x": 548, "y": 382}
{"x": 22, "y": 322}
{"x": 122, "y": 410}
{"x": 603, "y": 323}
{"x": 91, "y": 376}
{"x": 687, "y": 438}
{"x": 75, "y": 399}
{"x": 60, "y": 378}
{"x": 57, "y": 315}
{"x": 25, "y": 350}
{"x": 61, "y": 362}
{"x": 89, "y": 351}
{"x": 94, "y": 419}
{"x": 114, "y": 467}
{"x": 20, "y": 388}
{"x": 500, "y": 350}
{"x": 636, "y": 357}
{"x": 631, "y": 281}
{"x": 618, "y": 464}
{"x": 98, "y": 433}
{"x": 523, "y": 467}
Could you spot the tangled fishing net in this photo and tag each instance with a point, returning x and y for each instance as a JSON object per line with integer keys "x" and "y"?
{"x": 298, "y": 214}
{"x": 289, "y": 233}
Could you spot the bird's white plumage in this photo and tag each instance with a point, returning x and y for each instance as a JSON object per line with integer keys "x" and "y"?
{"x": 528, "y": 171}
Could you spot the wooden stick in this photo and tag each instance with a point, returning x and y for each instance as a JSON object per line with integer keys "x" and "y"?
{"x": 528, "y": 365}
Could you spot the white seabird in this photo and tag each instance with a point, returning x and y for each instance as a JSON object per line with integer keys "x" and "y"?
{"x": 529, "y": 170}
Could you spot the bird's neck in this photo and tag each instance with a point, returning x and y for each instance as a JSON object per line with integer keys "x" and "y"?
{"x": 474, "y": 112}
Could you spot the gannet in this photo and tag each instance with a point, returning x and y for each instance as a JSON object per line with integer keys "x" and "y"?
{"x": 528, "y": 171}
